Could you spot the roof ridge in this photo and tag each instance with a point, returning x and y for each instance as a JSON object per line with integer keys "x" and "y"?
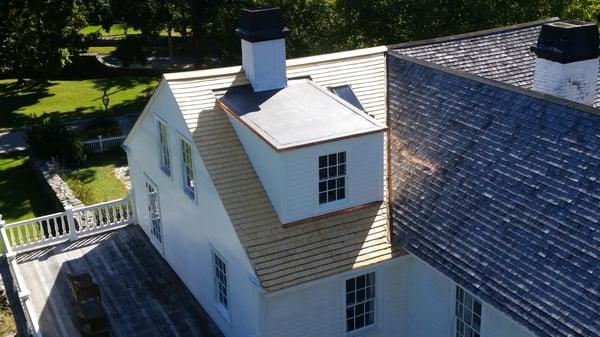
{"x": 471, "y": 34}
{"x": 299, "y": 61}
{"x": 505, "y": 86}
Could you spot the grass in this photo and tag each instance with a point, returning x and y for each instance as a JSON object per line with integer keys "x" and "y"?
{"x": 71, "y": 99}
{"x": 118, "y": 30}
{"x": 21, "y": 195}
{"x": 95, "y": 181}
{"x": 115, "y": 30}
{"x": 106, "y": 50}
{"x": 7, "y": 323}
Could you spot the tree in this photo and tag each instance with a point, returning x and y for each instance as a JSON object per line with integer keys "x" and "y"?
{"x": 98, "y": 12}
{"x": 38, "y": 36}
{"x": 213, "y": 24}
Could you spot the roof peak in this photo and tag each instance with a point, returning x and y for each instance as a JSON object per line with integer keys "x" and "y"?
{"x": 473, "y": 34}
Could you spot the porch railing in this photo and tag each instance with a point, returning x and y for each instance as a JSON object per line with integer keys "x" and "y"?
{"x": 70, "y": 225}
{"x": 52, "y": 229}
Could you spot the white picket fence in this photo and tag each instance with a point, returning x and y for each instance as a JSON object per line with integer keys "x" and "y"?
{"x": 52, "y": 229}
{"x": 101, "y": 143}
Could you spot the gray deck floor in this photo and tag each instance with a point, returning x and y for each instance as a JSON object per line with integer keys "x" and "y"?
{"x": 140, "y": 292}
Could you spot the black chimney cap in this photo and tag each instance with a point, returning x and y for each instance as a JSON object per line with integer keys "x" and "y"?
{"x": 567, "y": 41}
{"x": 262, "y": 25}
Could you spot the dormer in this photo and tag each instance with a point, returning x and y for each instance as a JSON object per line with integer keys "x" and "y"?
{"x": 314, "y": 152}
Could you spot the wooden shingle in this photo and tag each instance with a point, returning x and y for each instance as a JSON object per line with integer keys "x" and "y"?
{"x": 287, "y": 256}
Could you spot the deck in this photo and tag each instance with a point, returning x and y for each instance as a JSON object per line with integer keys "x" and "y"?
{"x": 141, "y": 294}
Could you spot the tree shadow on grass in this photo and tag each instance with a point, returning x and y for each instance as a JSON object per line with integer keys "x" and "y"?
{"x": 15, "y": 96}
{"x": 115, "y": 156}
{"x": 116, "y": 84}
{"x": 21, "y": 193}
{"x": 85, "y": 175}
{"x": 125, "y": 107}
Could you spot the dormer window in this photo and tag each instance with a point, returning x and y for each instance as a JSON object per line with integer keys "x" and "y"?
{"x": 332, "y": 177}
{"x": 300, "y": 140}
{"x": 346, "y": 93}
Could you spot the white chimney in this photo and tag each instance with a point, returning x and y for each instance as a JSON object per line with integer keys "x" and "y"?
{"x": 567, "y": 61}
{"x": 263, "y": 48}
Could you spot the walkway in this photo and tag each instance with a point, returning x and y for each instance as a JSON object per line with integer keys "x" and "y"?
{"x": 12, "y": 141}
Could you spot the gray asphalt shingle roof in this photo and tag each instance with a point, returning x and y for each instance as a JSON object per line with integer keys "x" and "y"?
{"x": 499, "y": 188}
{"x": 500, "y": 54}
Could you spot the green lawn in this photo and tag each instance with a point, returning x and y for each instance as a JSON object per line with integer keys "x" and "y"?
{"x": 21, "y": 195}
{"x": 71, "y": 99}
{"x": 106, "y": 50}
{"x": 95, "y": 181}
{"x": 115, "y": 30}
{"x": 118, "y": 30}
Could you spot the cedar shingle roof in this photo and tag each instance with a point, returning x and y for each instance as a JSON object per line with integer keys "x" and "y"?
{"x": 499, "y": 188}
{"x": 498, "y": 54}
{"x": 286, "y": 256}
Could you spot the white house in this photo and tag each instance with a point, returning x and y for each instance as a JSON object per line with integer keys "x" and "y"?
{"x": 265, "y": 187}
{"x": 266, "y": 195}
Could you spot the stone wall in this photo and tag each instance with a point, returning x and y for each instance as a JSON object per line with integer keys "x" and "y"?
{"x": 55, "y": 186}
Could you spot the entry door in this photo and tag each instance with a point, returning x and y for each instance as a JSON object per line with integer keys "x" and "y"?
{"x": 154, "y": 214}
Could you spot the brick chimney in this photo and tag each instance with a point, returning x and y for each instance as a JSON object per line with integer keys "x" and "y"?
{"x": 567, "y": 60}
{"x": 263, "y": 48}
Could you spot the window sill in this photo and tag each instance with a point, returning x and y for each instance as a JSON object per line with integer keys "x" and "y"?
{"x": 166, "y": 170}
{"x": 365, "y": 331}
{"x": 191, "y": 194}
{"x": 333, "y": 205}
{"x": 224, "y": 312}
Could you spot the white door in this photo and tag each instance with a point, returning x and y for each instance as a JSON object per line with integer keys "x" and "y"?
{"x": 154, "y": 214}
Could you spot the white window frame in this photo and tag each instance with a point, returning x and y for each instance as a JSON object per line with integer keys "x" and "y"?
{"x": 189, "y": 191}
{"x": 164, "y": 150}
{"x": 156, "y": 228}
{"x": 376, "y": 307}
{"x": 224, "y": 310}
{"x": 337, "y": 202}
{"x": 454, "y": 311}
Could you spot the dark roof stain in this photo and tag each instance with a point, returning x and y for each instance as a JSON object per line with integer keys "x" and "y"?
{"x": 499, "y": 54}
{"x": 499, "y": 189}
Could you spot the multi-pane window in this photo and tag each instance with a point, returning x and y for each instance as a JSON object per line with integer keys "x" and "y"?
{"x": 154, "y": 210}
{"x": 188, "y": 168}
{"x": 332, "y": 177}
{"x": 220, "y": 281}
{"x": 360, "y": 302}
{"x": 467, "y": 314}
{"x": 165, "y": 156}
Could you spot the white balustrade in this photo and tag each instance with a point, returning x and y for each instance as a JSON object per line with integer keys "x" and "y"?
{"x": 52, "y": 229}
{"x": 69, "y": 225}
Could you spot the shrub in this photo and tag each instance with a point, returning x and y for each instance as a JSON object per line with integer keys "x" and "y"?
{"x": 82, "y": 191}
{"x": 131, "y": 50}
{"x": 50, "y": 138}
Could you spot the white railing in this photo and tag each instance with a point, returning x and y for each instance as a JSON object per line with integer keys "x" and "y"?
{"x": 48, "y": 230}
{"x": 70, "y": 225}
{"x": 102, "y": 143}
